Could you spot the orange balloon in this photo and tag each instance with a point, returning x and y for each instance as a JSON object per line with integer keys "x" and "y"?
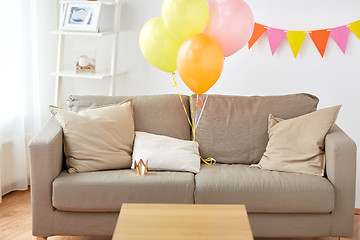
{"x": 200, "y": 61}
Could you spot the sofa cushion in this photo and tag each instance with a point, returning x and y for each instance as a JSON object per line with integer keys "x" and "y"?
{"x": 263, "y": 191}
{"x": 166, "y": 153}
{"x": 105, "y": 191}
{"x": 233, "y": 129}
{"x": 297, "y": 144}
{"x": 99, "y": 138}
{"x": 158, "y": 114}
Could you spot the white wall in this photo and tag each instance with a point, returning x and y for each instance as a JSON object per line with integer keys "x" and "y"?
{"x": 45, "y": 48}
{"x": 334, "y": 78}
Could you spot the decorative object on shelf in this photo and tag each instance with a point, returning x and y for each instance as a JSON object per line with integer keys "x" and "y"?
{"x": 141, "y": 168}
{"x": 296, "y": 38}
{"x": 85, "y": 62}
{"x": 82, "y": 16}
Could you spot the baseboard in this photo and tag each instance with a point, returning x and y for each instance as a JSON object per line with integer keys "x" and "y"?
{"x": 357, "y": 211}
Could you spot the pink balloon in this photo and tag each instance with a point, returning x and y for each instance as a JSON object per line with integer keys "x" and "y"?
{"x": 212, "y": 5}
{"x": 231, "y": 23}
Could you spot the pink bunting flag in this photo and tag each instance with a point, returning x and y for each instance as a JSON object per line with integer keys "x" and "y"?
{"x": 340, "y": 36}
{"x": 275, "y": 37}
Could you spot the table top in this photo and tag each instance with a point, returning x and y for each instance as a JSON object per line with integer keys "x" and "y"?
{"x": 182, "y": 222}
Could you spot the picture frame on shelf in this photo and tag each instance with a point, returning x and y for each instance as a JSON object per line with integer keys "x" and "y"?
{"x": 82, "y": 16}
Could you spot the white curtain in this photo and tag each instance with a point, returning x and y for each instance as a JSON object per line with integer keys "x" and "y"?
{"x": 19, "y": 92}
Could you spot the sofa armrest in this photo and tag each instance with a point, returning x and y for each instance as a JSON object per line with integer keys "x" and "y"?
{"x": 340, "y": 153}
{"x": 46, "y": 162}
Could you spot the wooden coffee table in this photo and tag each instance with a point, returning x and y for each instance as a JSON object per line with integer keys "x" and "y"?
{"x": 182, "y": 222}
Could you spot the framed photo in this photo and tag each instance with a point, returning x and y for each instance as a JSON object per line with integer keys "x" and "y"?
{"x": 82, "y": 17}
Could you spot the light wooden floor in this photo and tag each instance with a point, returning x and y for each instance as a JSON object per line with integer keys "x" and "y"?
{"x": 15, "y": 220}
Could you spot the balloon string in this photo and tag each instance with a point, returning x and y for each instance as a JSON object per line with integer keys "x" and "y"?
{"x": 196, "y": 106}
{"x": 187, "y": 115}
{"x": 202, "y": 109}
{"x": 208, "y": 161}
{"x": 193, "y": 118}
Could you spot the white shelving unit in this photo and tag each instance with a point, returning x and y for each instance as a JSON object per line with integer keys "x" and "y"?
{"x": 111, "y": 74}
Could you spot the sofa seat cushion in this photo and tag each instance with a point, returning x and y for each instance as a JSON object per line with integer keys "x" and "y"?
{"x": 263, "y": 191}
{"x": 105, "y": 191}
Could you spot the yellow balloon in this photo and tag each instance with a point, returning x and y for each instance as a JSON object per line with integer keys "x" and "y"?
{"x": 185, "y": 18}
{"x": 158, "y": 45}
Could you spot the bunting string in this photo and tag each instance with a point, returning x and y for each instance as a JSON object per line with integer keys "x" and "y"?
{"x": 296, "y": 38}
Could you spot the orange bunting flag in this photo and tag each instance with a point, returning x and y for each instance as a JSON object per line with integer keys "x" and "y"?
{"x": 296, "y": 39}
{"x": 258, "y": 31}
{"x": 355, "y": 28}
{"x": 320, "y": 39}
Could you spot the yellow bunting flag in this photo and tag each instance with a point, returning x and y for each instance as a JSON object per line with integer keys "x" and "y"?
{"x": 355, "y": 28}
{"x": 296, "y": 39}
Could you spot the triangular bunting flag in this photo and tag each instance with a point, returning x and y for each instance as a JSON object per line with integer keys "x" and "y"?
{"x": 275, "y": 37}
{"x": 355, "y": 28}
{"x": 320, "y": 39}
{"x": 258, "y": 31}
{"x": 340, "y": 36}
{"x": 296, "y": 39}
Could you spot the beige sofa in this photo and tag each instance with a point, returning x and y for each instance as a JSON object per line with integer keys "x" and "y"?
{"x": 233, "y": 130}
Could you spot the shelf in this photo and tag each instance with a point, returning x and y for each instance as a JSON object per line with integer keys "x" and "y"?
{"x": 110, "y": 73}
{"x": 87, "y": 34}
{"x": 108, "y": 3}
{"x": 100, "y": 75}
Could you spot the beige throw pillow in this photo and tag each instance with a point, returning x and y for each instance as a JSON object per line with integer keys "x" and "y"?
{"x": 297, "y": 144}
{"x": 97, "y": 139}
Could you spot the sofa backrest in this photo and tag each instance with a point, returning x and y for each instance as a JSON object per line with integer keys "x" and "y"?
{"x": 157, "y": 114}
{"x": 233, "y": 129}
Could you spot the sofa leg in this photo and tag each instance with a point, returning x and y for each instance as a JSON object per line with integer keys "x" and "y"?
{"x": 41, "y": 238}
